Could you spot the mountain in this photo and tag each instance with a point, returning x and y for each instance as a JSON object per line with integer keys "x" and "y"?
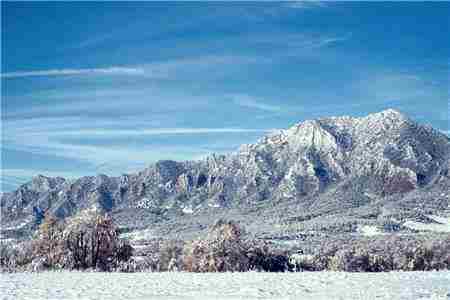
{"x": 329, "y": 174}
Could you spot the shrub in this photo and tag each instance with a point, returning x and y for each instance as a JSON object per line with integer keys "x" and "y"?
{"x": 7, "y": 257}
{"x": 263, "y": 258}
{"x": 350, "y": 260}
{"x": 407, "y": 253}
{"x": 124, "y": 251}
{"x": 170, "y": 256}
{"x": 223, "y": 250}
{"x": 322, "y": 260}
{"x": 137, "y": 264}
{"x": 16, "y": 257}
{"x": 380, "y": 263}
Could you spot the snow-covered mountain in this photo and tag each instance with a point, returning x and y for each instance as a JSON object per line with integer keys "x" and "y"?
{"x": 384, "y": 164}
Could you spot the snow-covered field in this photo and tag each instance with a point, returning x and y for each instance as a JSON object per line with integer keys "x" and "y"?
{"x": 227, "y": 286}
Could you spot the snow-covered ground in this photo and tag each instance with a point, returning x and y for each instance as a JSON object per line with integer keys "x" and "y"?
{"x": 442, "y": 224}
{"x": 139, "y": 235}
{"x": 227, "y": 286}
{"x": 368, "y": 230}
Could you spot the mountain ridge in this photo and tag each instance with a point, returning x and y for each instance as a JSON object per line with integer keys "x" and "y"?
{"x": 333, "y": 162}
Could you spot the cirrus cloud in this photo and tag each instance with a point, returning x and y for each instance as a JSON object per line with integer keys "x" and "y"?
{"x": 66, "y": 72}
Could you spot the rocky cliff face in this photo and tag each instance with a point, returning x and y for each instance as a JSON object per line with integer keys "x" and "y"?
{"x": 382, "y": 155}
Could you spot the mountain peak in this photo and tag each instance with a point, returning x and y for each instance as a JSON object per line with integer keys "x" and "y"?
{"x": 391, "y": 111}
{"x": 348, "y": 121}
{"x": 388, "y": 114}
{"x": 43, "y": 183}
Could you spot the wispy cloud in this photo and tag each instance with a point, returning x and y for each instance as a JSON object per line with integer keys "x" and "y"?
{"x": 154, "y": 131}
{"x": 297, "y": 41}
{"x": 251, "y": 102}
{"x": 206, "y": 64}
{"x": 332, "y": 40}
{"x": 159, "y": 70}
{"x": 61, "y": 137}
{"x": 86, "y": 146}
{"x": 66, "y": 72}
{"x": 395, "y": 87}
{"x": 201, "y": 65}
{"x": 96, "y": 40}
{"x": 122, "y": 102}
{"x": 305, "y": 4}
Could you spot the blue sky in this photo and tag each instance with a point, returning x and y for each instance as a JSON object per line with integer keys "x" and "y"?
{"x": 111, "y": 87}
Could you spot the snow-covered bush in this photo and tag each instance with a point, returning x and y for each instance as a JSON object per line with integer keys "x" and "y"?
{"x": 223, "y": 250}
{"x": 85, "y": 241}
{"x": 350, "y": 260}
{"x": 301, "y": 262}
{"x": 322, "y": 259}
{"x": 16, "y": 257}
{"x": 6, "y": 257}
{"x": 414, "y": 256}
{"x": 395, "y": 252}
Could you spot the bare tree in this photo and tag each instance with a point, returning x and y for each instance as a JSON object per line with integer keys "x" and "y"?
{"x": 48, "y": 243}
{"x": 92, "y": 241}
